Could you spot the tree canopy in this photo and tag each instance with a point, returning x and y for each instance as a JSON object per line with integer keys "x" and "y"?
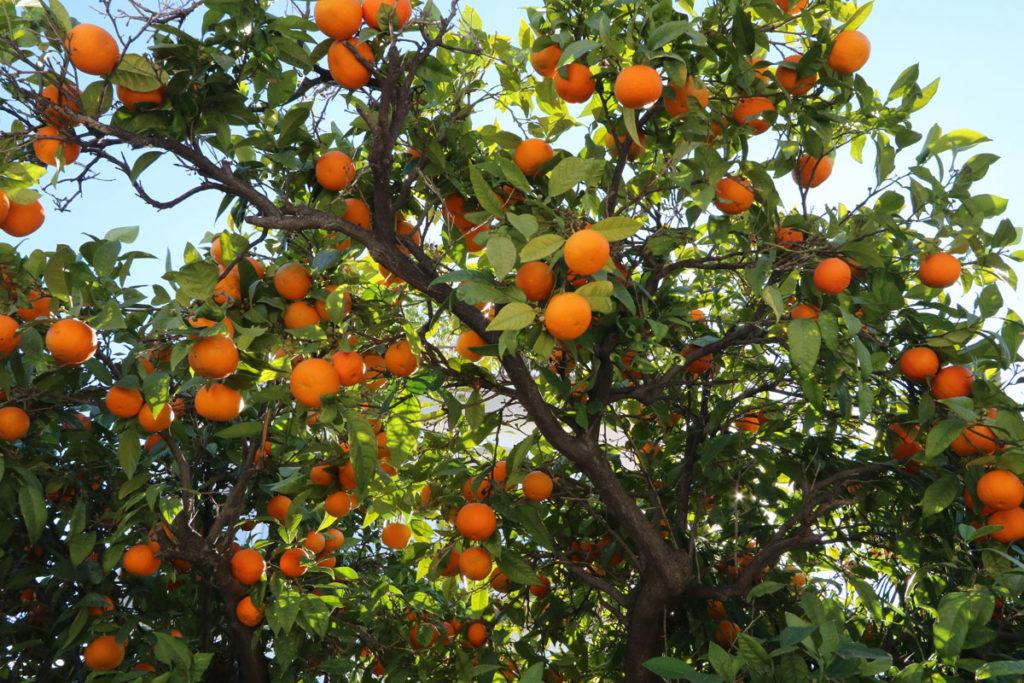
{"x": 511, "y": 362}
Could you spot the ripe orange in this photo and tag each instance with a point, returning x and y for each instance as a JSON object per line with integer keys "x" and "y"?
{"x": 92, "y": 49}
{"x": 300, "y": 314}
{"x": 228, "y": 286}
{"x": 476, "y": 521}
{"x": 699, "y": 366}
{"x": 578, "y": 85}
{"x": 791, "y": 6}
{"x": 345, "y": 68}
{"x": 277, "y": 507}
{"x": 733, "y": 195}
{"x": 787, "y": 77}
{"x": 402, "y": 9}
{"x": 751, "y": 421}
{"x": 544, "y": 60}
{"x": 335, "y": 170}
{"x": 567, "y": 316}
{"x": 975, "y": 440}
{"x": 832, "y": 275}
{"x": 349, "y": 367}
{"x": 537, "y": 486}
{"x": 454, "y": 212}
{"x": 292, "y": 281}
{"x": 356, "y": 211}
{"x": 9, "y": 337}
{"x": 952, "y": 381}
{"x": 291, "y": 562}
{"x": 535, "y": 280}
{"x": 396, "y": 535}
{"x": 5, "y": 206}
{"x": 748, "y": 112}
{"x": 716, "y": 610}
{"x": 476, "y": 634}
{"x": 531, "y": 154}
{"x": 23, "y": 219}
{"x": 219, "y": 402}
{"x": 810, "y": 171}
{"x": 918, "y": 363}
{"x": 312, "y": 379}
{"x": 319, "y": 475}
{"x": 103, "y": 653}
{"x": 400, "y": 360}
{"x": 475, "y": 563}
{"x": 100, "y": 611}
{"x": 14, "y": 423}
{"x": 788, "y": 237}
{"x": 939, "y": 270}
{"x": 158, "y": 422}
{"x": 677, "y": 100}
{"x": 207, "y": 322}
{"x": 46, "y": 147}
{"x": 333, "y": 540}
{"x": 132, "y": 98}
{"x": 338, "y": 19}
{"x": 140, "y": 561}
{"x": 66, "y": 96}
{"x": 1012, "y": 521}
{"x": 213, "y": 357}
{"x": 247, "y": 566}
{"x": 71, "y": 342}
{"x": 850, "y": 51}
{"x": 638, "y": 86}
{"x": 726, "y": 633}
{"x": 375, "y": 367}
{"x": 124, "y": 402}
{"x": 1001, "y": 490}
{"x": 247, "y": 613}
{"x": 467, "y": 340}
{"x": 338, "y": 504}
{"x": 314, "y": 542}
{"x": 614, "y": 145}
{"x": 586, "y": 252}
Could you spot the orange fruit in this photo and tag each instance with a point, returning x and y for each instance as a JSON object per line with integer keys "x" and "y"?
{"x": 726, "y": 633}
{"x": 312, "y": 379}
{"x": 213, "y": 357}
{"x": 14, "y": 423}
{"x": 396, "y": 535}
{"x": 975, "y": 440}
{"x": 124, "y": 402}
{"x": 586, "y": 252}
{"x": 23, "y": 219}
{"x": 277, "y": 507}
{"x": 349, "y": 367}
{"x": 1012, "y": 521}
{"x": 158, "y": 422}
{"x": 139, "y": 560}
{"x": 939, "y": 270}
{"x": 247, "y": 613}
{"x": 247, "y": 566}
{"x": 66, "y": 96}
{"x": 300, "y": 314}
{"x": 132, "y": 98}
{"x": 219, "y": 402}
{"x": 46, "y": 147}
{"x": 787, "y": 237}
{"x": 716, "y": 610}
{"x": 356, "y": 211}
{"x": 320, "y": 476}
{"x": 918, "y": 363}
{"x": 292, "y": 281}
{"x": 229, "y": 286}
{"x": 733, "y": 195}
{"x": 39, "y": 307}
{"x": 850, "y": 51}
{"x": 345, "y": 68}
{"x": 952, "y": 381}
{"x": 614, "y": 145}
{"x": 424, "y": 638}
{"x": 103, "y": 653}
{"x": 751, "y": 422}
{"x": 476, "y": 634}
{"x": 400, "y": 360}
{"x": 335, "y": 170}
{"x": 537, "y": 486}
{"x": 545, "y": 59}
{"x": 699, "y": 366}
{"x": 535, "y": 280}
{"x": 748, "y": 112}
{"x": 786, "y": 75}
{"x": 99, "y": 611}
{"x": 832, "y": 275}
{"x": 375, "y": 367}
{"x": 314, "y": 542}
{"x": 5, "y": 206}
{"x": 791, "y": 6}
{"x": 71, "y": 342}
{"x": 677, "y": 100}
{"x": 291, "y": 562}
{"x": 810, "y": 171}
{"x": 402, "y": 9}
{"x": 531, "y": 154}
{"x": 638, "y": 86}
{"x": 207, "y": 322}
{"x": 9, "y": 337}
{"x": 578, "y": 85}
{"x": 1001, "y": 490}
{"x": 454, "y": 212}
{"x": 338, "y": 19}
{"x": 467, "y": 340}
{"x": 333, "y": 540}
{"x": 338, "y": 504}
{"x": 92, "y": 50}
{"x": 476, "y": 521}
{"x": 475, "y": 563}
{"x": 567, "y": 316}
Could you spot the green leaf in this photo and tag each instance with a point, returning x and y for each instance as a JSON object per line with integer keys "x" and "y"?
{"x": 79, "y": 546}
{"x": 670, "y": 667}
{"x": 665, "y": 33}
{"x": 129, "y": 452}
{"x": 293, "y": 121}
{"x": 1014, "y": 667}
{"x": 598, "y": 288}
{"x": 513, "y": 174}
{"x": 525, "y": 223}
{"x": 904, "y": 83}
{"x": 950, "y": 628}
{"x": 941, "y": 435}
{"x": 513, "y": 316}
{"x": 240, "y": 430}
{"x": 196, "y": 279}
{"x": 136, "y": 73}
{"x": 743, "y": 32}
{"x": 858, "y": 17}
{"x": 572, "y": 171}
{"x": 517, "y": 569}
{"x": 575, "y": 50}
{"x": 501, "y": 253}
{"x": 33, "y": 511}
{"x": 142, "y": 163}
{"x": 127, "y": 235}
{"x": 765, "y": 588}
{"x": 939, "y": 495}
{"x": 484, "y": 194}
{"x": 362, "y": 449}
{"x": 617, "y": 228}
{"x": 540, "y": 247}
{"x": 804, "y": 344}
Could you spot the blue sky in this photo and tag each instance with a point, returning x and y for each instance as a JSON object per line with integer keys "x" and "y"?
{"x": 970, "y": 51}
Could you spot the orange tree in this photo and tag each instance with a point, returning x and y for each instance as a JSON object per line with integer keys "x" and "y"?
{"x": 571, "y": 394}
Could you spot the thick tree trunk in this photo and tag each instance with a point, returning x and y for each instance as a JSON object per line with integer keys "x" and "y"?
{"x": 645, "y": 637}
{"x": 252, "y": 662}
